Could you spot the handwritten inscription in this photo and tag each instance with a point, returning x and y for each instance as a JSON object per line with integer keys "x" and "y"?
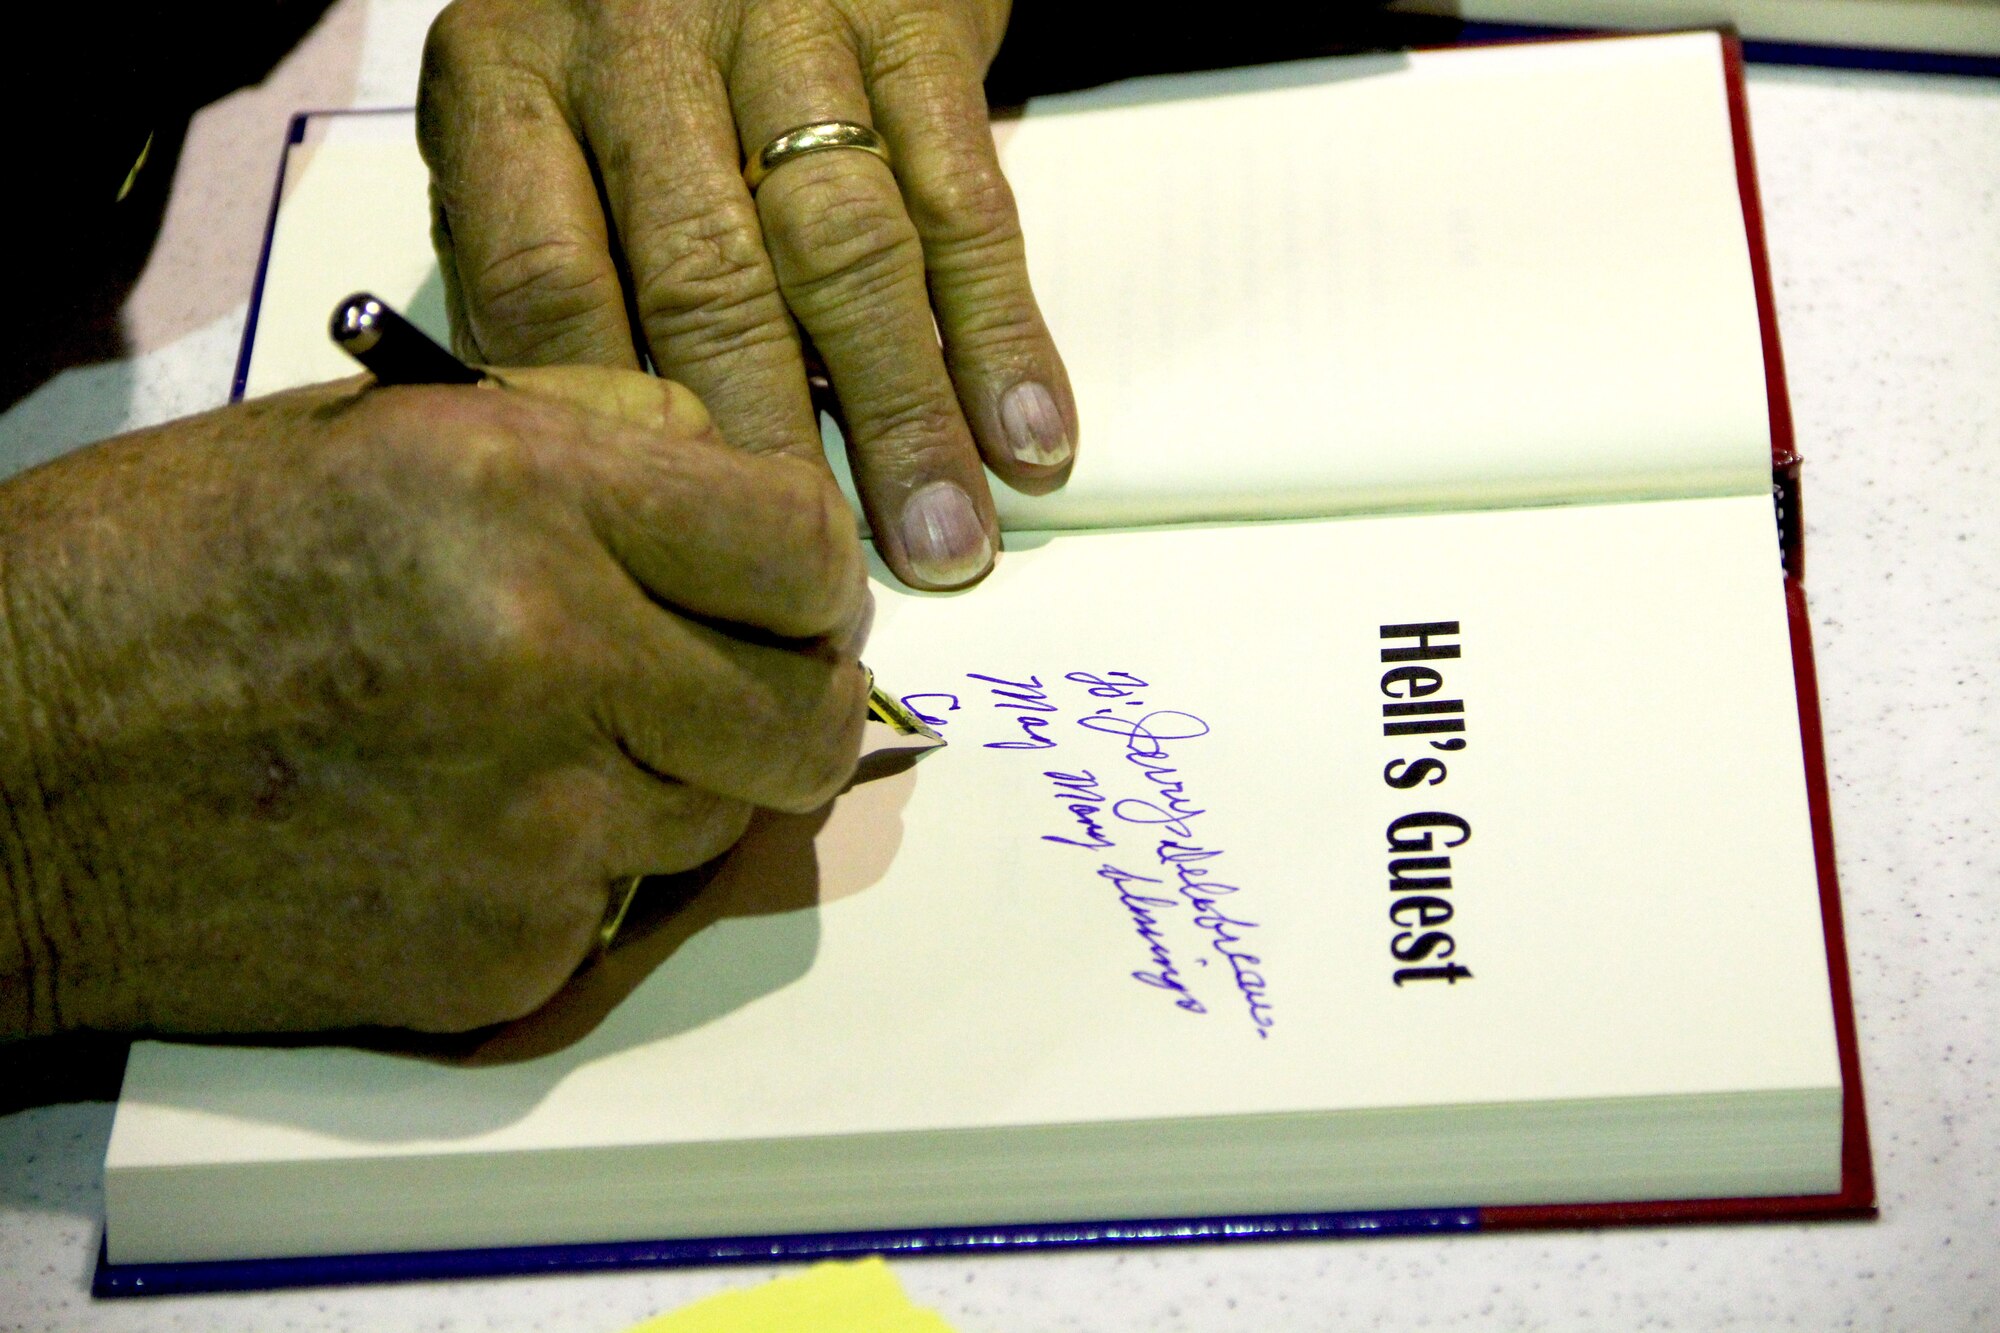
{"x": 1083, "y": 801}
{"x": 1030, "y": 704}
{"x": 1203, "y": 894}
{"x": 1135, "y": 800}
{"x": 1164, "y": 974}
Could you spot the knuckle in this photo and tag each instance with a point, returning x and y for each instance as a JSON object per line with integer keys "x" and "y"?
{"x": 481, "y": 447}
{"x": 469, "y": 36}
{"x": 818, "y": 551}
{"x": 505, "y": 984}
{"x": 435, "y": 441}
{"x": 459, "y": 30}
{"x": 514, "y": 633}
{"x": 965, "y": 201}
{"x": 478, "y": 998}
{"x": 453, "y": 521}
{"x": 915, "y": 42}
{"x": 507, "y": 949}
{"x": 825, "y": 741}
{"x": 542, "y": 301}
{"x": 703, "y": 270}
{"x": 915, "y": 436}
{"x": 788, "y": 35}
{"x": 841, "y": 232}
{"x": 475, "y": 63}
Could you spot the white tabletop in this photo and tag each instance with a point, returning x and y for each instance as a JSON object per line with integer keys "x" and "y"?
{"x": 1882, "y": 201}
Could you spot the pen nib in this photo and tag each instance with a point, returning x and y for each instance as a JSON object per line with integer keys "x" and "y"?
{"x": 888, "y": 709}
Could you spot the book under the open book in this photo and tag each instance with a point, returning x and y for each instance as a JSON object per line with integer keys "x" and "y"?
{"x": 1383, "y": 789}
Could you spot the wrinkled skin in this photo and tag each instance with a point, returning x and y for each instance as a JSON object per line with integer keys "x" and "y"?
{"x": 347, "y": 706}
{"x": 585, "y": 159}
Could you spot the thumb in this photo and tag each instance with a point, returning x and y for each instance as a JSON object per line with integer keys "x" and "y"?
{"x": 629, "y": 396}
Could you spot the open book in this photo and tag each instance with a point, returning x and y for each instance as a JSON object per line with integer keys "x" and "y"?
{"x": 1383, "y": 789}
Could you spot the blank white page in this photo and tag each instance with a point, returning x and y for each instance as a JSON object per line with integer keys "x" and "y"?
{"x": 1460, "y": 278}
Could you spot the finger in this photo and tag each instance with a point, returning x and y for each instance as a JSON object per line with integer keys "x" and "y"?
{"x": 656, "y": 827}
{"x": 762, "y": 542}
{"x": 851, "y": 267}
{"x": 663, "y": 407}
{"x": 752, "y": 722}
{"x": 706, "y": 299}
{"x": 925, "y": 86}
{"x": 454, "y": 291}
{"x": 797, "y": 513}
{"x": 765, "y": 542}
{"x": 528, "y": 250}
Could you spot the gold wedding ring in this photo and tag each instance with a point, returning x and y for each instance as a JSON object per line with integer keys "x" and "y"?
{"x": 814, "y": 138}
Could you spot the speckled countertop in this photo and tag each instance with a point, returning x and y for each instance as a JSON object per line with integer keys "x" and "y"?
{"x": 1882, "y": 201}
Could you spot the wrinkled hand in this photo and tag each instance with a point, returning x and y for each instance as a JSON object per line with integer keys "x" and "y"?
{"x": 348, "y": 706}
{"x": 585, "y": 160}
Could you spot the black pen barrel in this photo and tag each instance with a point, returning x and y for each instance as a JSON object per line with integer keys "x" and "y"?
{"x": 393, "y": 349}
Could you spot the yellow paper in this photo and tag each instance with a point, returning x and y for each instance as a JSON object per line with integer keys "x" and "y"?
{"x": 861, "y": 1296}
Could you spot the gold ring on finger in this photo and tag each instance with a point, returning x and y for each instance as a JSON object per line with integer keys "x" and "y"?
{"x": 817, "y": 137}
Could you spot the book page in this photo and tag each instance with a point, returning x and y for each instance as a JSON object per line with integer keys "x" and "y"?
{"x": 353, "y": 215}
{"x": 1209, "y": 840}
{"x": 1474, "y": 277}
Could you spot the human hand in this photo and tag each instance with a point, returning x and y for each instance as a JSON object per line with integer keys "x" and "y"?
{"x": 585, "y": 164}
{"x": 347, "y": 706}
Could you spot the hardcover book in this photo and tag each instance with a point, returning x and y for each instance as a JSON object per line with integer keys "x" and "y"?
{"x": 1383, "y": 790}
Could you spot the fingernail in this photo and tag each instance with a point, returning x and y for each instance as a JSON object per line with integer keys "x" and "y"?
{"x": 1034, "y": 425}
{"x": 943, "y": 536}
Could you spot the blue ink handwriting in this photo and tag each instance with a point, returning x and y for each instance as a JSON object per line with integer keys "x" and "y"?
{"x": 1029, "y": 700}
{"x": 1145, "y": 750}
{"x": 926, "y": 718}
{"x": 1084, "y": 801}
{"x": 1164, "y": 976}
{"x": 1222, "y": 929}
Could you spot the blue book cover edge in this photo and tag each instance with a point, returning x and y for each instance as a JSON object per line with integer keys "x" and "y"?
{"x": 176, "y": 1279}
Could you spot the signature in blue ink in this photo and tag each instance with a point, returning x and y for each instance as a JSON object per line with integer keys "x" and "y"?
{"x": 926, "y": 718}
{"x": 1164, "y": 976}
{"x": 1028, "y": 700}
{"x": 1083, "y": 801}
{"x": 1110, "y": 685}
{"x": 1145, "y": 749}
{"x": 1189, "y": 863}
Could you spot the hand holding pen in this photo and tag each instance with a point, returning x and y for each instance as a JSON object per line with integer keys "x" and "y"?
{"x": 361, "y": 707}
{"x": 398, "y": 353}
